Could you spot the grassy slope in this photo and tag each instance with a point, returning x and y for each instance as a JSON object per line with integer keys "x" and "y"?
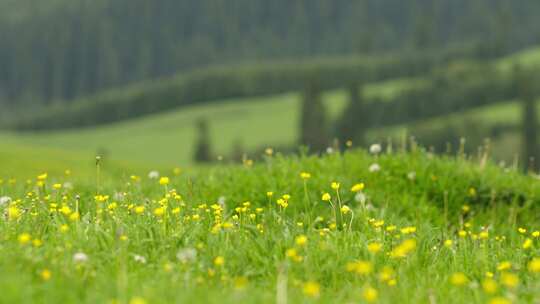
{"x": 504, "y": 200}
{"x": 167, "y": 139}
{"x": 505, "y": 147}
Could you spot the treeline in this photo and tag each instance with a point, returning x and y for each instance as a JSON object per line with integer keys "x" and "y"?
{"x": 446, "y": 93}
{"x": 443, "y": 93}
{"x": 225, "y": 82}
{"x": 53, "y": 50}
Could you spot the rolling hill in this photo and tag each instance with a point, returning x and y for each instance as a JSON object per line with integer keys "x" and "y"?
{"x": 167, "y": 139}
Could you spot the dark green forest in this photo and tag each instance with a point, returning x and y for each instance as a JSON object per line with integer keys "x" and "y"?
{"x": 60, "y": 50}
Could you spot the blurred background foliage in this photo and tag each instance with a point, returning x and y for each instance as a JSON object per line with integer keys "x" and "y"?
{"x": 170, "y": 82}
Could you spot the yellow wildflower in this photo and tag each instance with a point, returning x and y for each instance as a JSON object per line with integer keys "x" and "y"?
{"x": 164, "y": 180}
{"x": 357, "y": 187}
{"x": 374, "y": 247}
{"x": 269, "y": 151}
{"x": 139, "y": 209}
{"x": 408, "y": 230}
{"x": 14, "y": 212}
{"x": 240, "y": 283}
{"x": 301, "y": 240}
{"x": 509, "y": 280}
{"x": 403, "y": 249}
{"x": 504, "y": 265}
{"x": 370, "y": 294}
{"x": 458, "y": 279}
{"x": 527, "y": 244}
{"x": 311, "y": 289}
{"x": 74, "y": 216}
{"x": 24, "y": 238}
{"x": 483, "y": 235}
{"x": 499, "y": 300}
{"x": 326, "y": 197}
{"x": 386, "y": 274}
{"x": 534, "y": 265}
{"x": 360, "y": 267}
{"x": 489, "y": 286}
{"x": 64, "y": 228}
{"x": 219, "y": 261}
{"x": 305, "y": 175}
{"x": 45, "y": 274}
{"x": 137, "y": 300}
{"x": 159, "y": 211}
{"x": 345, "y": 209}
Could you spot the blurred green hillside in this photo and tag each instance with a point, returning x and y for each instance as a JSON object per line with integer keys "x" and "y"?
{"x": 167, "y": 140}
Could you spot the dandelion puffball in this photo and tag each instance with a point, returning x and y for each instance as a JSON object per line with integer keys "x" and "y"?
{"x": 374, "y": 168}
{"x": 153, "y": 174}
{"x": 80, "y": 257}
{"x": 187, "y": 255}
{"x": 4, "y": 200}
{"x": 139, "y": 258}
{"x": 375, "y": 149}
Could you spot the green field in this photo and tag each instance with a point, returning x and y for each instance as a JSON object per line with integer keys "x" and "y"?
{"x": 421, "y": 229}
{"x": 166, "y": 140}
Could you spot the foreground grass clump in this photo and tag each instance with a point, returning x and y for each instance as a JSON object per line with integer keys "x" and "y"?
{"x": 343, "y": 228}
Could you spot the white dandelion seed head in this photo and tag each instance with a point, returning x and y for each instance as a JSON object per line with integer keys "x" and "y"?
{"x": 139, "y": 259}
{"x": 80, "y": 257}
{"x": 118, "y": 196}
{"x": 329, "y": 150}
{"x": 374, "y": 168}
{"x": 360, "y": 197}
{"x": 221, "y": 201}
{"x": 153, "y": 174}
{"x": 67, "y": 185}
{"x": 375, "y": 149}
{"x": 4, "y": 200}
{"x": 187, "y": 255}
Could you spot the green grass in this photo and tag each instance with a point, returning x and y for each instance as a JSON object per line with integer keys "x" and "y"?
{"x": 505, "y": 147}
{"x": 527, "y": 58}
{"x": 168, "y": 139}
{"x": 134, "y": 258}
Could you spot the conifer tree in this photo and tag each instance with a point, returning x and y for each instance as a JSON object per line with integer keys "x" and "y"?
{"x": 352, "y": 123}
{"x": 203, "y": 152}
{"x": 313, "y": 124}
{"x": 526, "y": 94}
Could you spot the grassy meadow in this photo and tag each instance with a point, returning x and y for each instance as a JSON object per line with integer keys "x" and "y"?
{"x": 166, "y": 140}
{"x": 395, "y": 227}
{"x": 252, "y": 151}
{"x": 143, "y": 225}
